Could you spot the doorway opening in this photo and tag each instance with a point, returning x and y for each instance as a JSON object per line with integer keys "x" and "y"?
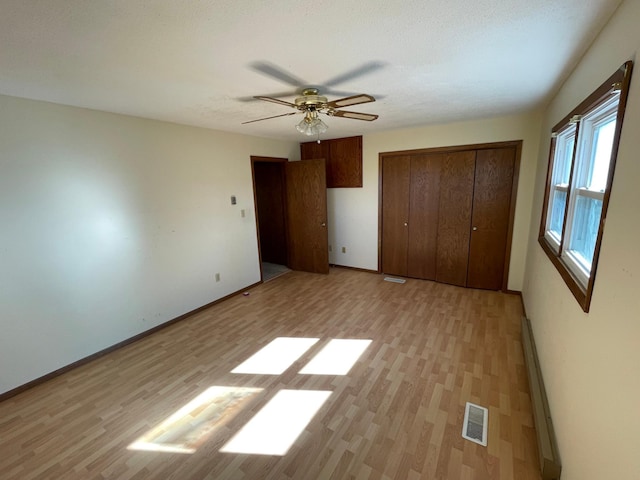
{"x": 271, "y": 215}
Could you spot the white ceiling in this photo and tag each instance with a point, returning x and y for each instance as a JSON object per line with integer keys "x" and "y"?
{"x": 199, "y": 62}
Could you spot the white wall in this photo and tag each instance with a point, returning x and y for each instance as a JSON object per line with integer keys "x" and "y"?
{"x": 590, "y": 362}
{"x": 353, "y": 212}
{"x": 112, "y": 225}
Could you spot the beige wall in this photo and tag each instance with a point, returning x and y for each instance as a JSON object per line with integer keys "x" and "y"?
{"x": 591, "y": 362}
{"x": 353, "y": 217}
{"x": 117, "y": 224}
{"x": 112, "y": 225}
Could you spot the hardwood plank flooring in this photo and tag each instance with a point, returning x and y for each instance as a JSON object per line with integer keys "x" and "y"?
{"x": 397, "y": 414}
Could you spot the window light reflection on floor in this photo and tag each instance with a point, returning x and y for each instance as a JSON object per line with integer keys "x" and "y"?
{"x": 278, "y": 424}
{"x": 337, "y": 357}
{"x": 276, "y": 357}
{"x": 188, "y": 428}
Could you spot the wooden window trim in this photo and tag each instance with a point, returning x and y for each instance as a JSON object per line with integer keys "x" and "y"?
{"x": 623, "y": 77}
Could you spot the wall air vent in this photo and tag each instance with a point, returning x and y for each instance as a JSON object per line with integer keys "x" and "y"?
{"x": 475, "y": 423}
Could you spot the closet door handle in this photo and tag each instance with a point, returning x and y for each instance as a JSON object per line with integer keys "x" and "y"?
{"x": 475, "y": 228}
{"x": 406, "y": 224}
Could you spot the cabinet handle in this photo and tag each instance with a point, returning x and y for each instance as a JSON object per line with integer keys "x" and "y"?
{"x": 475, "y": 228}
{"x": 323, "y": 224}
{"x": 406, "y": 224}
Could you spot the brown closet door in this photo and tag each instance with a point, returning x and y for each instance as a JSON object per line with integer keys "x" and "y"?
{"x": 423, "y": 215}
{"x": 395, "y": 213}
{"x": 454, "y": 222}
{"x": 307, "y": 216}
{"x": 490, "y": 221}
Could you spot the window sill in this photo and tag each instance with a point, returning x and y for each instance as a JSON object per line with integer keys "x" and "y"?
{"x": 583, "y": 297}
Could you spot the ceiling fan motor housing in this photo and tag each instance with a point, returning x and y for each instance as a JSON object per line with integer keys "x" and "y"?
{"x": 310, "y": 100}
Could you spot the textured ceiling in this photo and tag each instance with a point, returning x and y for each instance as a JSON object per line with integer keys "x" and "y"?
{"x": 199, "y": 62}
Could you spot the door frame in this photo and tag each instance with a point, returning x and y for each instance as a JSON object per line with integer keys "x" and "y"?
{"x": 517, "y": 144}
{"x": 282, "y": 161}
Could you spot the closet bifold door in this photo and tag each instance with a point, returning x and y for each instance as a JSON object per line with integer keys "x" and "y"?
{"x": 490, "y": 220}
{"x": 396, "y": 171}
{"x": 424, "y": 197}
{"x": 454, "y": 221}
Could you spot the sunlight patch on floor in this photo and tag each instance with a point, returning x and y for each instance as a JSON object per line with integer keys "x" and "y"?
{"x": 278, "y": 424}
{"x": 188, "y": 428}
{"x": 276, "y": 357}
{"x": 337, "y": 357}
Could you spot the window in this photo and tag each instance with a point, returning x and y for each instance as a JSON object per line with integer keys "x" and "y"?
{"x": 583, "y": 153}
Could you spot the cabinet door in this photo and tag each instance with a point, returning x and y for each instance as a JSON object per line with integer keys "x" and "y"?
{"x": 490, "y": 221}
{"x": 344, "y": 168}
{"x": 343, "y": 160}
{"x": 454, "y": 221}
{"x": 395, "y": 213}
{"x": 423, "y": 215}
{"x": 314, "y": 150}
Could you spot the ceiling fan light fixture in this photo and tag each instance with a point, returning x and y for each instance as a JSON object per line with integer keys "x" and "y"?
{"x": 311, "y": 125}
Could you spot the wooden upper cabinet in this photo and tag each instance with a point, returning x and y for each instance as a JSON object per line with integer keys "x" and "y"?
{"x": 343, "y": 158}
{"x": 313, "y": 150}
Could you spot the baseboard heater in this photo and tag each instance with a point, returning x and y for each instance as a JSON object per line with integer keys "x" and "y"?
{"x": 547, "y": 446}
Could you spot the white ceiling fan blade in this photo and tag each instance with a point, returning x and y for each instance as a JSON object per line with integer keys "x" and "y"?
{"x": 354, "y": 115}
{"x": 354, "y": 100}
{"x": 277, "y": 100}
{"x": 267, "y": 118}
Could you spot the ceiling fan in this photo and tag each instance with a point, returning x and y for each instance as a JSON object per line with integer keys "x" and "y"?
{"x": 311, "y": 103}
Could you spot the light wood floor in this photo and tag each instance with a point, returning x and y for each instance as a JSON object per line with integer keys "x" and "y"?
{"x": 397, "y": 414}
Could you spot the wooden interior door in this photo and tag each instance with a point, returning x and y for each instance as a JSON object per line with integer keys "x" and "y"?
{"x": 396, "y": 172}
{"x": 490, "y": 220}
{"x": 307, "y": 216}
{"x": 424, "y": 199}
{"x": 454, "y": 221}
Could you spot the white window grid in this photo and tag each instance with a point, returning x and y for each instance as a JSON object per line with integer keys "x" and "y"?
{"x": 584, "y": 159}
{"x": 562, "y": 160}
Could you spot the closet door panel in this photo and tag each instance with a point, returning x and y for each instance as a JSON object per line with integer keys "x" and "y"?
{"x": 395, "y": 213}
{"x": 423, "y": 215}
{"x": 490, "y": 220}
{"x": 454, "y": 222}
